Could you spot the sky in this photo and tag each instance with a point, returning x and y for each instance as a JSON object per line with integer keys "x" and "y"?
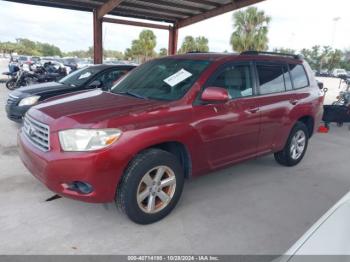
{"x": 295, "y": 24}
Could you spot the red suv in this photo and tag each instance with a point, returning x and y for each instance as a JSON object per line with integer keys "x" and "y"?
{"x": 170, "y": 119}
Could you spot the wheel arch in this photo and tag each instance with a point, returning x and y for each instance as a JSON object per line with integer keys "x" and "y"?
{"x": 180, "y": 151}
{"x": 309, "y": 122}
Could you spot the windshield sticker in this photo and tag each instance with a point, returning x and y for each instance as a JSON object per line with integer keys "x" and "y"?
{"x": 177, "y": 78}
{"x": 86, "y": 75}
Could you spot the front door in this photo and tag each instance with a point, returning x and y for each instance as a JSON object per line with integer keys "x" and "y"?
{"x": 229, "y": 131}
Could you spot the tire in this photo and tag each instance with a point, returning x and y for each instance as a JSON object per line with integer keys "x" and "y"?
{"x": 289, "y": 157}
{"x": 11, "y": 84}
{"x": 135, "y": 181}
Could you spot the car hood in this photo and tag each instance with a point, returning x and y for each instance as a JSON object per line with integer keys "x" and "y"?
{"x": 38, "y": 89}
{"x": 91, "y": 108}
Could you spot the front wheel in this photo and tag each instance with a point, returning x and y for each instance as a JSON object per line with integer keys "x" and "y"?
{"x": 11, "y": 84}
{"x": 296, "y": 146}
{"x": 151, "y": 186}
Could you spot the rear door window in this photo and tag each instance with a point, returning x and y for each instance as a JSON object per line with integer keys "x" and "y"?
{"x": 271, "y": 78}
{"x": 299, "y": 76}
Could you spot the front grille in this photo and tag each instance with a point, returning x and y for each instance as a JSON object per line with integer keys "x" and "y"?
{"x": 37, "y": 133}
{"x": 12, "y": 100}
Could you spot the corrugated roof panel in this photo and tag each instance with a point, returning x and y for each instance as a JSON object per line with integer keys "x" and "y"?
{"x": 170, "y": 11}
{"x": 158, "y": 5}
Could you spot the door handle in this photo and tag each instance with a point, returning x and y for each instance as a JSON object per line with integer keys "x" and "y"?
{"x": 293, "y": 102}
{"x": 253, "y": 110}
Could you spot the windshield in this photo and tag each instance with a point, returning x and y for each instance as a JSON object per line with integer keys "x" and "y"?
{"x": 79, "y": 77}
{"x": 162, "y": 79}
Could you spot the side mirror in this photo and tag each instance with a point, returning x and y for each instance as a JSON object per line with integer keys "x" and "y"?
{"x": 95, "y": 84}
{"x": 320, "y": 85}
{"x": 215, "y": 94}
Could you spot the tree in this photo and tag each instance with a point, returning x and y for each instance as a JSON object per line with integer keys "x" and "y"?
{"x": 142, "y": 48}
{"x": 202, "y": 44}
{"x": 146, "y": 43}
{"x": 113, "y": 54}
{"x": 250, "y": 30}
{"x": 345, "y": 63}
{"x": 46, "y": 49}
{"x": 90, "y": 52}
{"x": 191, "y": 44}
{"x": 188, "y": 45}
{"x": 323, "y": 57}
{"x": 128, "y": 55}
{"x": 25, "y": 46}
{"x": 7, "y": 47}
{"x": 334, "y": 59}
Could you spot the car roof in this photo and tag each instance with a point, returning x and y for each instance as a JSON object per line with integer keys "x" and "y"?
{"x": 236, "y": 56}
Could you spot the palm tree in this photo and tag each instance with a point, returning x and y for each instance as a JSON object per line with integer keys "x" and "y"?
{"x": 147, "y": 42}
{"x": 188, "y": 45}
{"x": 202, "y": 44}
{"x": 250, "y": 30}
{"x": 191, "y": 44}
{"x": 143, "y": 47}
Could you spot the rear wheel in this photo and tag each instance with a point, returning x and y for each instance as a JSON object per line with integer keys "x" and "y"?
{"x": 296, "y": 146}
{"x": 151, "y": 186}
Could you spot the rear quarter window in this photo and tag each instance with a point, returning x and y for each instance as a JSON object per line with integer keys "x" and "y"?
{"x": 299, "y": 77}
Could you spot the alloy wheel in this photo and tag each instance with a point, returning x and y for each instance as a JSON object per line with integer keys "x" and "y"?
{"x": 298, "y": 144}
{"x": 156, "y": 189}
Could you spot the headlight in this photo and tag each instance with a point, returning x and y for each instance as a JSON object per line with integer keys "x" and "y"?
{"x": 88, "y": 139}
{"x": 28, "y": 101}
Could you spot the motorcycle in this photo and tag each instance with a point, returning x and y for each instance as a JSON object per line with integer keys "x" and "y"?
{"x": 344, "y": 96}
{"x": 23, "y": 77}
{"x": 13, "y": 69}
{"x": 339, "y": 111}
{"x": 48, "y": 72}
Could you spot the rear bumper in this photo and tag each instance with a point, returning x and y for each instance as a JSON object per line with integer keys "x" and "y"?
{"x": 56, "y": 169}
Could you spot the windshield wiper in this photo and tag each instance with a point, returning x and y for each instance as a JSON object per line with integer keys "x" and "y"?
{"x": 128, "y": 93}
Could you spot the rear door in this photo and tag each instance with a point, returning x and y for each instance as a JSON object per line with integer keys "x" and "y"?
{"x": 276, "y": 99}
{"x": 229, "y": 131}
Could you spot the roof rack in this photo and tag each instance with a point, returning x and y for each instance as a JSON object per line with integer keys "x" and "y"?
{"x": 300, "y": 57}
{"x": 197, "y": 52}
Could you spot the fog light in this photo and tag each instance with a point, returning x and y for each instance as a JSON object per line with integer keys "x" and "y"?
{"x": 80, "y": 187}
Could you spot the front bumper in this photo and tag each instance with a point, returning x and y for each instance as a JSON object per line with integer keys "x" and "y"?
{"x": 15, "y": 112}
{"x": 55, "y": 169}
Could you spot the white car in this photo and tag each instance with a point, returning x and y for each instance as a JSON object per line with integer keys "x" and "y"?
{"x": 338, "y": 72}
{"x": 330, "y": 235}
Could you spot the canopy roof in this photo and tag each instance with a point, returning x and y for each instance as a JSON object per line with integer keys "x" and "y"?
{"x": 179, "y": 12}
